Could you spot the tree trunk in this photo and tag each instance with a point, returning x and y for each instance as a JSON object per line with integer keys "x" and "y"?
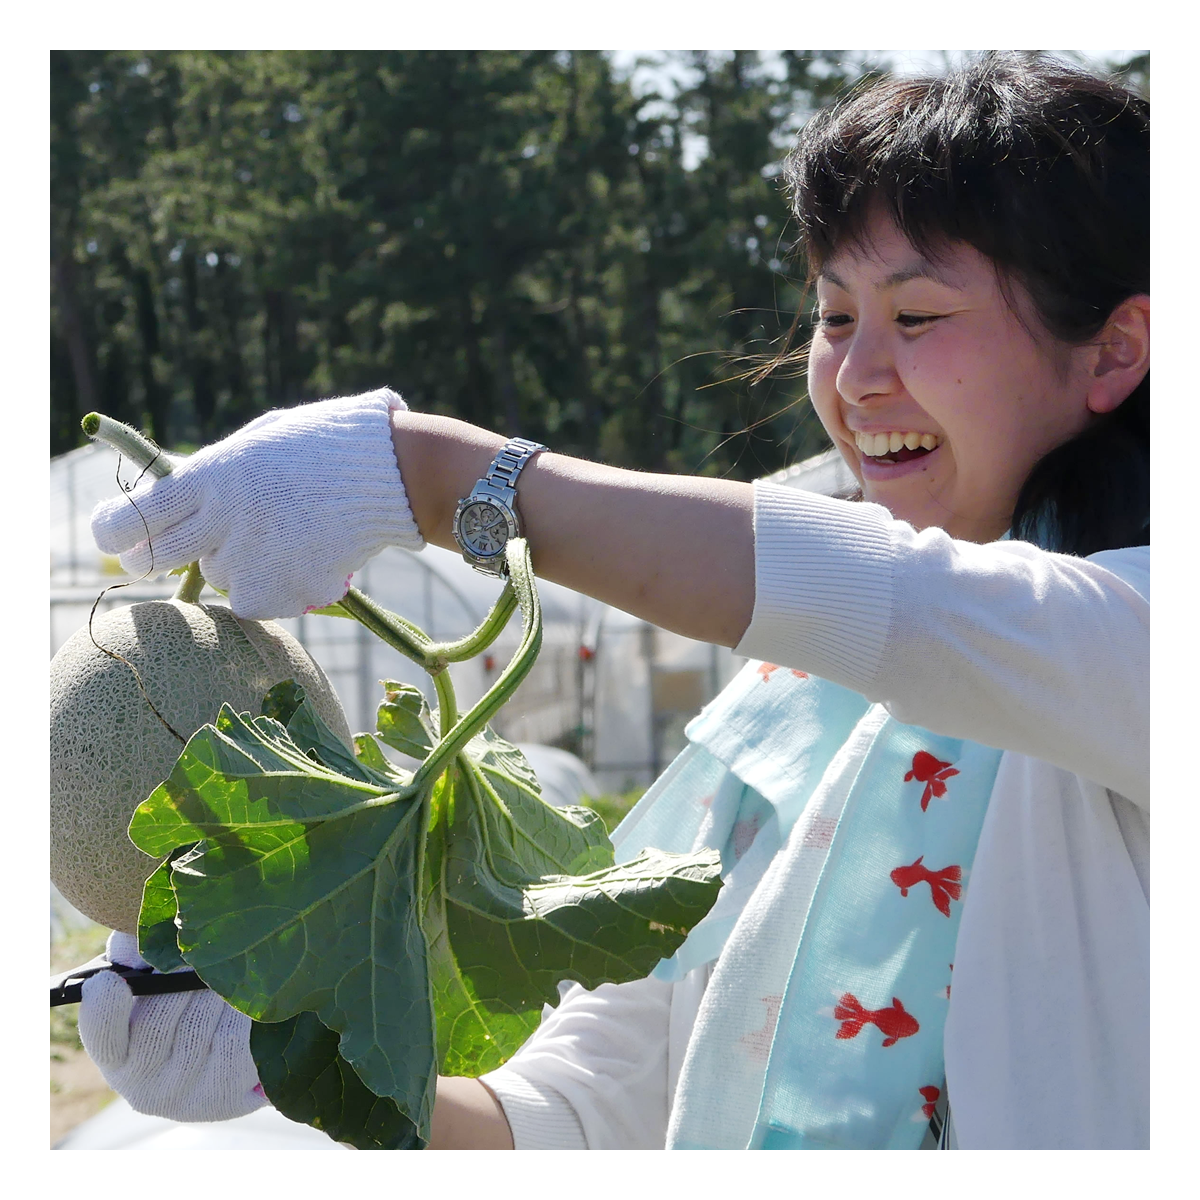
{"x": 204, "y": 400}
{"x": 83, "y": 361}
{"x": 147, "y": 322}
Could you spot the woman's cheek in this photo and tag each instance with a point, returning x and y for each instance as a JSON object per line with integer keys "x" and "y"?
{"x": 822, "y": 381}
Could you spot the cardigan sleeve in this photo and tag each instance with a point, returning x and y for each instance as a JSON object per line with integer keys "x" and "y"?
{"x": 594, "y": 1074}
{"x": 1005, "y": 644}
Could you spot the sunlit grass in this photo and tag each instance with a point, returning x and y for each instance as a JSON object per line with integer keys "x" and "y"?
{"x": 612, "y": 806}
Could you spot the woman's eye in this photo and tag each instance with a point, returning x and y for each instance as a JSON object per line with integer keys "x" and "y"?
{"x": 834, "y": 320}
{"x": 915, "y": 320}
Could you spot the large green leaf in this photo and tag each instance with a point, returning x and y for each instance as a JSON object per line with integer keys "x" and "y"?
{"x": 304, "y": 896}
{"x": 377, "y": 923}
{"x": 488, "y": 804}
{"x": 299, "y": 1062}
{"x": 522, "y": 895}
{"x": 607, "y": 927}
{"x": 300, "y": 892}
{"x": 156, "y": 922}
{"x": 306, "y": 1078}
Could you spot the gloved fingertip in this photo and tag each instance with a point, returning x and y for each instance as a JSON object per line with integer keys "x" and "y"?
{"x": 123, "y": 948}
{"x": 341, "y": 595}
{"x": 104, "y": 1013}
{"x": 255, "y": 606}
{"x": 137, "y": 560}
{"x": 111, "y": 534}
{"x": 253, "y": 1100}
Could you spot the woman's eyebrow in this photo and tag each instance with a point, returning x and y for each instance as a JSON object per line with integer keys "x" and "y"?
{"x": 922, "y": 269}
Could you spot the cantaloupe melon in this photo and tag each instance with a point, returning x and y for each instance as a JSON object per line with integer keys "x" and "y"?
{"x": 108, "y": 751}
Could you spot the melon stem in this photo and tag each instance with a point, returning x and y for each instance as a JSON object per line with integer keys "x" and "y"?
{"x": 126, "y": 440}
{"x": 406, "y": 637}
{"x": 191, "y": 585}
{"x": 447, "y": 703}
{"x": 142, "y": 452}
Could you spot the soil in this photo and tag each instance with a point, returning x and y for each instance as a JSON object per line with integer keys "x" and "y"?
{"x": 77, "y": 1089}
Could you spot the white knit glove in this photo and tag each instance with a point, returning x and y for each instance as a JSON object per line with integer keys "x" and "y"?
{"x": 184, "y": 1056}
{"x": 280, "y": 513}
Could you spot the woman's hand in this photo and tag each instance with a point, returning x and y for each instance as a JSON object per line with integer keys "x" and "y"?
{"x": 279, "y": 514}
{"x": 184, "y": 1056}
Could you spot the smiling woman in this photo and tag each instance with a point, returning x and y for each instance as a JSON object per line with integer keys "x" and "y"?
{"x": 936, "y": 704}
{"x": 937, "y": 385}
{"x": 1009, "y": 229}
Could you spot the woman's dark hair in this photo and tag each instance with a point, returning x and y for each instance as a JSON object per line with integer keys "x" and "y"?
{"x": 1045, "y": 169}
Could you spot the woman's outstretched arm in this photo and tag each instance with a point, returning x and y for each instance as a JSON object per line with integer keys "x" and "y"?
{"x": 466, "y": 1116}
{"x": 675, "y": 550}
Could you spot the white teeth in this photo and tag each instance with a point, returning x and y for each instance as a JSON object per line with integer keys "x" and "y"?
{"x": 876, "y": 444}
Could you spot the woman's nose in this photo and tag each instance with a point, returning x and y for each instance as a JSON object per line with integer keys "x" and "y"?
{"x": 867, "y": 368}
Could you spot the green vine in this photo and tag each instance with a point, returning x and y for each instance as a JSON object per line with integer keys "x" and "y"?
{"x": 402, "y": 635}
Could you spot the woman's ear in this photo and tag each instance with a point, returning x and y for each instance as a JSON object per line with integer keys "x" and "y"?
{"x": 1121, "y": 355}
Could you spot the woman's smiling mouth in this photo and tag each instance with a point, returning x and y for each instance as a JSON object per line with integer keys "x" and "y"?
{"x": 880, "y": 445}
{"x": 881, "y": 454}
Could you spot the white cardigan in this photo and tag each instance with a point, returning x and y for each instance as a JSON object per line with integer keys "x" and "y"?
{"x": 1044, "y": 656}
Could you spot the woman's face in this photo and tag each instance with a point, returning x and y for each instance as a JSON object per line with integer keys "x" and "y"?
{"x": 938, "y": 396}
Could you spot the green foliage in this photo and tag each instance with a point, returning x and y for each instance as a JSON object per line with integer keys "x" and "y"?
{"x": 383, "y": 926}
{"x": 302, "y": 1070}
{"x": 69, "y": 948}
{"x": 404, "y": 721}
{"x": 612, "y": 806}
{"x": 512, "y": 237}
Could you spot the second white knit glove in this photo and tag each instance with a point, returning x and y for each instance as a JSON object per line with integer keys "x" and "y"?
{"x": 280, "y": 514}
{"x": 184, "y": 1056}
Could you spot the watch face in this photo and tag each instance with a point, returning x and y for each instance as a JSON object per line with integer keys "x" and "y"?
{"x": 484, "y": 528}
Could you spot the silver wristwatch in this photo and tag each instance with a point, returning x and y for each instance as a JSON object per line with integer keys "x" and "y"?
{"x": 487, "y": 518}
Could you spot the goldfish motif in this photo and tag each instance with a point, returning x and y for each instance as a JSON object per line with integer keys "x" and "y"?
{"x": 932, "y": 1095}
{"x": 744, "y": 833}
{"x": 759, "y": 1041}
{"x": 766, "y": 669}
{"x": 820, "y": 831}
{"x": 945, "y": 885}
{"x": 894, "y": 1023}
{"x": 932, "y": 772}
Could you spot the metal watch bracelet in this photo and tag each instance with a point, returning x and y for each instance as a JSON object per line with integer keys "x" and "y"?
{"x": 497, "y": 489}
{"x": 507, "y": 465}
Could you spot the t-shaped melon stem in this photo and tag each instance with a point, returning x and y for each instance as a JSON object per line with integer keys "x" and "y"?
{"x": 126, "y": 440}
{"x": 142, "y": 452}
{"x": 520, "y": 592}
{"x": 191, "y": 585}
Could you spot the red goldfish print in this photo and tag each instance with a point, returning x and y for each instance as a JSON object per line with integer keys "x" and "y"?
{"x": 932, "y": 1095}
{"x": 945, "y": 885}
{"x": 894, "y": 1023}
{"x": 931, "y": 772}
{"x": 744, "y": 833}
{"x": 765, "y": 670}
{"x": 820, "y": 832}
{"x": 759, "y": 1042}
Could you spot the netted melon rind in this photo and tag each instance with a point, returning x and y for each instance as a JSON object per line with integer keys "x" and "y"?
{"x": 108, "y": 751}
